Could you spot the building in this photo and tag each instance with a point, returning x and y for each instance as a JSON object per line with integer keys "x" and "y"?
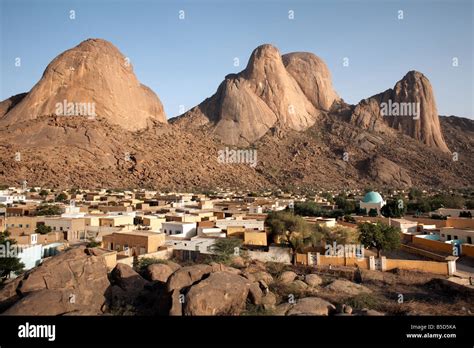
{"x": 9, "y": 198}
{"x": 179, "y": 229}
{"x": 18, "y": 225}
{"x": 251, "y": 224}
{"x": 463, "y": 235}
{"x": 134, "y": 242}
{"x": 372, "y": 200}
{"x": 255, "y": 238}
{"x": 73, "y": 229}
{"x": 116, "y": 220}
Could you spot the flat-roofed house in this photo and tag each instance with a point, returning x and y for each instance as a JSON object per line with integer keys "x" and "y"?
{"x": 136, "y": 242}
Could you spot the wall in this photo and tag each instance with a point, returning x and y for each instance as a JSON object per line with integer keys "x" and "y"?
{"x": 433, "y": 245}
{"x": 255, "y": 238}
{"x": 427, "y": 221}
{"x": 384, "y": 264}
{"x": 164, "y": 254}
{"x": 423, "y": 266}
{"x": 467, "y": 250}
{"x": 460, "y": 222}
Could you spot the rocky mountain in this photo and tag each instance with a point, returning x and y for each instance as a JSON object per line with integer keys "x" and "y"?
{"x": 272, "y": 92}
{"x": 282, "y": 107}
{"x": 91, "y": 79}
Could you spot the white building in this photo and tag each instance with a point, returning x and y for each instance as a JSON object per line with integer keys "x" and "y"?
{"x": 8, "y": 198}
{"x": 255, "y": 209}
{"x": 179, "y": 229}
{"x": 210, "y": 232}
{"x": 372, "y": 200}
{"x": 250, "y": 224}
{"x": 199, "y": 244}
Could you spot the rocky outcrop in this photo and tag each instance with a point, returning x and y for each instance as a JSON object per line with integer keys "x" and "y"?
{"x": 267, "y": 94}
{"x": 187, "y": 276}
{"x": 159, "y": 272}
{"x": 9, "y": 103}
{"x": 314, "y": 78}
{"x": 72, "y": 282}
{"x": 95, "y": 73}
{"x": 385, "y": 172}
{"x": 222, "y": 293}
{"x": 409, "y": 107}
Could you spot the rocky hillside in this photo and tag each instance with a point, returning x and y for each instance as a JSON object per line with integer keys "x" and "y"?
{"x": 284, "y": 107}
{"x": 77, "y": 282}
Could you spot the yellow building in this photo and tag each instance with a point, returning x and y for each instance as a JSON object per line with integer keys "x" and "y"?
{"x": 137, "y": 242}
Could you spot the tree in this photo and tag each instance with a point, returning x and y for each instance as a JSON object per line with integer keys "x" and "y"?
{"x": 225, "y": 249}
{"x": 394, "y": 209}
{"x": 348, "y": 206}
{"x": 340, "y": 235}
{"x": 61, "y": 197}
{"x": 8, "y": 262}
{"x": 43, "y": 193}
{"x": 32, "y": 190}
{"x": 43, "y": 229}
{"x": 48, "y": 210}
{"x": 93, "y": 243}
{"x": 466, "y": 214}
{"x": 307, "y": 209}
{"x": 379, "y": 236}
{"x": 293, "y": 231}
{"x": 373, "y": 212}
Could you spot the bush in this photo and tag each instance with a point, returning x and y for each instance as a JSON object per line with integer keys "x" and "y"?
{"x": 144, "y": 262}
{"x": 363, "y": 300}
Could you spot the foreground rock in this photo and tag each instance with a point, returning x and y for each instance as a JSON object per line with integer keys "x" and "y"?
{"x": 311, "y": 306}
{"x": 72, "y": 282}
{"x": 287, "y": 277}
{"x": 159, "y": 272}
{"x": 313, "y": 280}
{"x": 347, "y": 287}
{"x": 222, "y": 293}
{"x": 187, "y": 276}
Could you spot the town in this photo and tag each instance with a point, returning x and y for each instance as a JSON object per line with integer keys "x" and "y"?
{"x": 152, "y": 232}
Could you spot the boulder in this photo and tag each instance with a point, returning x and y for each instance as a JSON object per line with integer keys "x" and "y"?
{"x": 71, "y": 282}
{"x": 298, "y": 285}
{"x": 287, "y": 277}
{"x": 281, "y": 309}
{"x": 370, "y": 312}
{"x": 8, "y": 294}
{"x": 187, "y": 276}
{"x": 261, "y": 275}
{"x": 159, "y": 272}
{"x": 347, "y": 287}
{"x": 219, "y": 267}
{"x": 176, "y": 304}
{"x": 313, "y": 280}
{"x": 222, "y": 293}
{"x": 255, "y": 294}
{"x": 173, "y": 265}
{"x": 238, "y": 262}
{"x": 311, "y": 306}
{"x": 269, "y": 301}
{"x": 127, "y": 278}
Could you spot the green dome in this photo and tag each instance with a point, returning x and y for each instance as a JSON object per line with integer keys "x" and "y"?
{"x": 372, "y": 197}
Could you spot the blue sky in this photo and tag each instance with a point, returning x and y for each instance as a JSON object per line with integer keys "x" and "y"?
{"x": 184, "y": 61}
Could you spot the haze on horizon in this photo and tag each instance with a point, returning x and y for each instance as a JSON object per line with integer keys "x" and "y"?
{"x": 184, "y": 60}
